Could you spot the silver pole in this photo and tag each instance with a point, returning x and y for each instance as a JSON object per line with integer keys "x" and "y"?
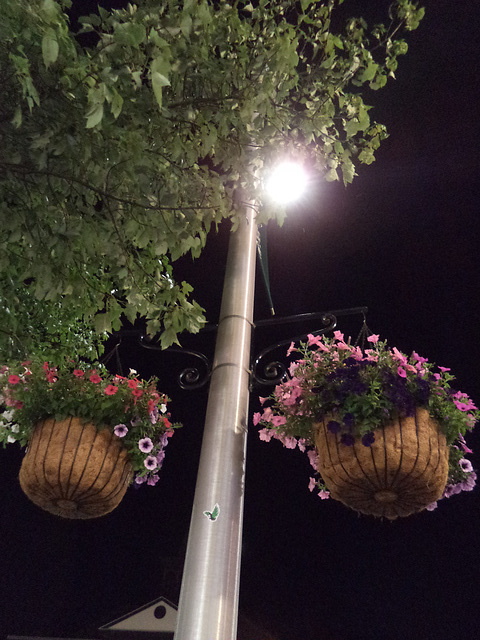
{"x": 208, "y": 607}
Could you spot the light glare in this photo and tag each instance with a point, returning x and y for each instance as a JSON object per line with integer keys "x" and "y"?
{"x": 287, "y": 182}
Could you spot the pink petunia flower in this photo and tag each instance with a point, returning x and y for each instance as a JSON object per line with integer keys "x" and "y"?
{"x": 13, "y": 379}
{"x": 95, "y": 378}
{"x": 313, "y": 458}
{"x": 373, "y": 338}
{"x": 324, "y": 495}
{"x": 398, "y": 355}
{"x": 312, "y": 484}
{"x": 111, "y": 390}
{"x": 50, "y": 375}
{"x": 290, "y": 348}
{"x": 78, "y": 373}
{"x": 265, "y": 434}
{"x": 278, "y": 421}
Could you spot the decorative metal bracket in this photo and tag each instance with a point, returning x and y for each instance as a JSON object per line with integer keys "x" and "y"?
{"x": 264, "y": 370}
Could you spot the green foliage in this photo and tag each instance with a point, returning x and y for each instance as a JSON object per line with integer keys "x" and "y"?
{"x": 124, "y": 144}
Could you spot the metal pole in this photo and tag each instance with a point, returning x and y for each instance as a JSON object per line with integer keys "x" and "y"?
{"x": 208, "y": 607}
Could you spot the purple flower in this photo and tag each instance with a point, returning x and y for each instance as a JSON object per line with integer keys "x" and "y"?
{"x": 465, "y": 465}
{"x": 333, "y": 426}
{"x": 452, "y": 490}
{"x": 120, "y": 430}
{"x": 368, "y": 439}
{"x": 140, "y": 479}
{"x": 347, "y": 439}
{"x": 150, "y": 463}
{"x": 145, "y": 445}
{"x": 469, "y": 483}
{"x": 152, "y": 480}
{"x": 431, "y": 507}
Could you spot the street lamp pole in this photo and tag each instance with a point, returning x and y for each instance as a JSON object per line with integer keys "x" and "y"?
{"x": 208, "y": 607}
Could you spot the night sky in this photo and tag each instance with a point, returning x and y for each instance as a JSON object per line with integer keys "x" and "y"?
{"x": 403, "y": 240}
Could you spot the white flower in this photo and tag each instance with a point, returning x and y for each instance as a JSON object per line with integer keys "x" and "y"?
{"x": 163, "y": 408}
{"x": 132, "y": 372}
{"x": 14, "y": 428}
{"x": 11, "y": 439}
{"x": 8, "y": 415}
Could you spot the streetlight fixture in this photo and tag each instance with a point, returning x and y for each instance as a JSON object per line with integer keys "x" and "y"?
{"x": 287, "y": 182}
{"x": 208, "y": 605}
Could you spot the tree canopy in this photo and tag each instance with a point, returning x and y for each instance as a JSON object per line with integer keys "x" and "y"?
{"x": 123, "y": 142}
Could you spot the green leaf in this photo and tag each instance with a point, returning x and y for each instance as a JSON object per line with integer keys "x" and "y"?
{"x": 168, "y": 337}
{"x": 17, "y": 117}
{"x": 116, "y": 104}
{"x": 94, "y": 116}
{"x": 331, "y": 175}
{"x": 158, "y": 82}
{"x": 50, "y": 8}
{"x": 369, "y": 73}
{"x": 49, "y": 47}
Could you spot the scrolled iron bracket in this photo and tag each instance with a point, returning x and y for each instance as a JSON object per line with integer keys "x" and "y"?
{"x": 275, "y": 371}
{"x": 263, "y": 373}
{"x": 190, "y": 377}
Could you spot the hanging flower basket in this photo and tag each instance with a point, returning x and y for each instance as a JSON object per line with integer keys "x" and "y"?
{"x": 403, "y": 471}
{"x": 74, "y": 470}
{"x": 89, "y": 434}
{"x": 383, "y": 431}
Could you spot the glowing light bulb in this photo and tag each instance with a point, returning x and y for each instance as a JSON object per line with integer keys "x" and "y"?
{"x": 287, "y": 182}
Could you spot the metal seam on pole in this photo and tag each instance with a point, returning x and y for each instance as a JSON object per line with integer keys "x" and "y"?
{"x": 236, "y": 315}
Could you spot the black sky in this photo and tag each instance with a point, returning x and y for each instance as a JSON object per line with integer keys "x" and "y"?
{"x": 404, "y": 240}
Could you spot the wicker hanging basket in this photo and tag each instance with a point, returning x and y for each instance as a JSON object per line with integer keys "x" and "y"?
{"x": 401, "y": 473}
{"x": 74, "y": 470}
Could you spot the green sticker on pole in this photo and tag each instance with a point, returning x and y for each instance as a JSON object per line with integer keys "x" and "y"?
{"x": 213, "y": 514}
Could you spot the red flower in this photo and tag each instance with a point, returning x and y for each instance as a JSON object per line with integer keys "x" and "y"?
{"x": 46, "y": 366}
{"x": 168, "y": 424}
{"x": 78, "y": 373}
{"x": 51, "y": 377}
{"x": 132, "y": 384}
{"x": 151, "y": 405}
{"x": 95, "y": 378}
{"x": 13, "y": 379}
{"x": 137, "y": 393}
{"x": 111, "y": 389}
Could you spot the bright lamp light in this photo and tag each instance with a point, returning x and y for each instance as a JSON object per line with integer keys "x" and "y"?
{"x": 287, "y": 182}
